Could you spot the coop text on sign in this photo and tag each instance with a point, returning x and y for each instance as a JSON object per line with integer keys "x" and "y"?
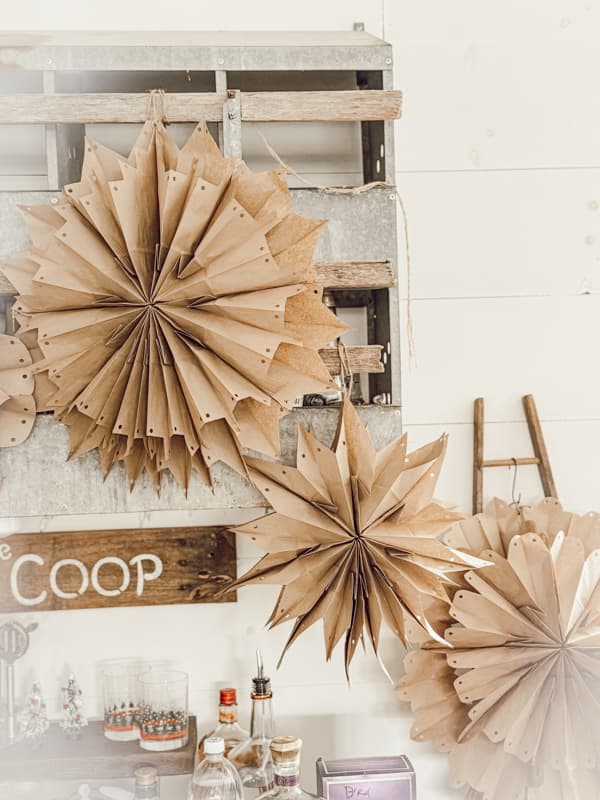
{"x": 88, "y": 577}
{"x": 71, "y": 570}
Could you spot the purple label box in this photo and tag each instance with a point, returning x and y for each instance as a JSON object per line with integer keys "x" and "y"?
{"x": 382, "y": 778}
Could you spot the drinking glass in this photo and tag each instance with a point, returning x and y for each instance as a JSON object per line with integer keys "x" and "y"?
{"x": 121, "y": 689}
{"x": 164, "y": 710}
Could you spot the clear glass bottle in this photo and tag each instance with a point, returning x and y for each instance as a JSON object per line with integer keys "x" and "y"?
{"x": 215, "y": 778}
{"x": 253, "y": 758}
{"x": 146, "y": 784}
{"x": 228, "y": 728}
{"x": 285, "y": 753}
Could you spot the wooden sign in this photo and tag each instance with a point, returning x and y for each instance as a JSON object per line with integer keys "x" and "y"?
{"x": 96, "y": 569}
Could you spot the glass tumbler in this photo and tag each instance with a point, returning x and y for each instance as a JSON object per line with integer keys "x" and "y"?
{"x": 163, "y": 710}
{"x": 121, "y": 689}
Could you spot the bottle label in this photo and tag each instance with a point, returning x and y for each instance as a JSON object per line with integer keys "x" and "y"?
{"x": 287, "y": 780}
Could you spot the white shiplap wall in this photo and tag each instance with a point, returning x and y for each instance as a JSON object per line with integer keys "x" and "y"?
{"x": 498, "y": 160}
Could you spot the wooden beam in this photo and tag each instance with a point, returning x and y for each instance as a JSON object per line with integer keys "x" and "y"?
{"x": 355, "y": 274}
{"x": 478, "y": 455}
{"x": 365, "y": 358}
{"x": 321, "y": 106}
{"x": 331, "y": 274}
{"x": 103, "y": 107}
{"x": 22, "y": 109}
{"x": 539, "y": 446}
{"x": 510, "y": 462}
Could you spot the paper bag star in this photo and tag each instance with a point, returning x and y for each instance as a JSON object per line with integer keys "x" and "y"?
{"x": 352, "y": 540}
{"x": 172, "y": 298}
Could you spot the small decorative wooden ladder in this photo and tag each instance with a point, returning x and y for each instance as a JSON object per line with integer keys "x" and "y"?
{"x": 540, "y": 459}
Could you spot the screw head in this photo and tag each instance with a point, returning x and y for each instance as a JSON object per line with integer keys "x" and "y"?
{"x": 388, "y": 60}
{"x": 220, "y": 61}
{"x": 392, "y": 197}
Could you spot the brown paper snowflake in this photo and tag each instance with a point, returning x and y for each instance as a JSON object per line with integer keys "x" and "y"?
{"x": 17, "y": 405}
{"x": 171, "y": 294}
{"x": 494, "y": 528}
{"x": 527, "y": 651}
{"x": 352, "y": 540}
{"x": 528, "y": 654}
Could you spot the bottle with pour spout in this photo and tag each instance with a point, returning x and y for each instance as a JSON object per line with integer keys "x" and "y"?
{"x": 253, "y": 758}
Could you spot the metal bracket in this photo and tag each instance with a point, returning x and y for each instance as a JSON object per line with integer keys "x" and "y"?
{"x": 232, "y": 124}
{"x": 64, "y": 145}
{"x": 220, "y": 88}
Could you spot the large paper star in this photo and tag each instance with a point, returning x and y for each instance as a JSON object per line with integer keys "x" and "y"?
{"x": 352, "y": 540}
{"x": 17, "y": 406}
{"x": 171, "y": 296}
{"x": 506, "y": 701}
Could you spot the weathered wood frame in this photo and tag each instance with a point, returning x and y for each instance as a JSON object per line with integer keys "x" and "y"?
{"x": 374, "y": 103}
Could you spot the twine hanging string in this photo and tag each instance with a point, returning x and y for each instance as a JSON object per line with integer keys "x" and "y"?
{"x": 354, "y": 190}
{"x": 156, "y": 107}
{"x": 346, "y": 373}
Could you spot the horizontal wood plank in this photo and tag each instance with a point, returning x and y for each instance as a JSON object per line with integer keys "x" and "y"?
{"x": 324, "y": 106}
{"x": 189, "y": 107}
{"x": 510, "y": 462}
{"x": 104, "y": 107}
{"x": 362, "y": 358}
{"x": 331, "y": 274}
{"x": 355, "y": 274}
{"x": 92, "y": 757}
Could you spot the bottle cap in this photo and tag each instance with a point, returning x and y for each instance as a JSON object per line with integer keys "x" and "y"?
{"x": 261, "y": 685}
{"x": 146, "y": 776}
{"x": 285, "y": 748}
{"x": 227, "y": 697}
{"x": 213, "y": 746}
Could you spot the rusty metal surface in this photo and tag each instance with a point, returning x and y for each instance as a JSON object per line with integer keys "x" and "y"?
{"x": 346, "y": 237}
{"x": 36, "y": 480}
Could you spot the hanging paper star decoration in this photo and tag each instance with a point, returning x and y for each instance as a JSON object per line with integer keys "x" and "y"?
{"x": 17, "y": 405}
{"x": 513, "y": 701}
{"x": 172, "y": 299}
{"x": 352, "y": 540}
{"x": 495, "y": 527}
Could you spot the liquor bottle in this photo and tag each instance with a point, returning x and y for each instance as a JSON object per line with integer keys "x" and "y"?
{"x": 253, "y": 758}
{"x": 146, "y": 784}
{"x": 215, "y": 778}
{"x": 285, "y": 753}
{"x": 228, "y": 728}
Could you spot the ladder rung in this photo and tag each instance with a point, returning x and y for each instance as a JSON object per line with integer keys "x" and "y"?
{"x": 510, "y": 462}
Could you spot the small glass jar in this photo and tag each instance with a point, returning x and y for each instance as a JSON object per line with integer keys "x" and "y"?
{"x": 285, "y": 753}
{"x": 163, "y": 710}
{"x": 121, "y": 690}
